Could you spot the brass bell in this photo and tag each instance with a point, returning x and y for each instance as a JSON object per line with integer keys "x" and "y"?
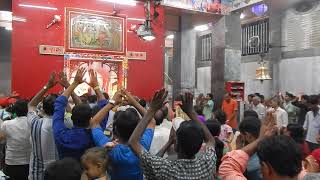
{"x": 262, "y": 73}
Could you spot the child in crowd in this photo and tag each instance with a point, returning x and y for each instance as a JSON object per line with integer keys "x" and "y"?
{"x": 214, "y": 127}
{"x": 199, "y": 111}
{"x": 95, "y": 164}
{"x": 226, "y": 134}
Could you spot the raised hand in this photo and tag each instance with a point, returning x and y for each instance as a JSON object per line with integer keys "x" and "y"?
{"x": 52, "y": 80}
{"x": 118, "y": 97}
{"x": 78, "y": 79}
{"x": 158, "y": 99}
{"x": 187, "y": 103}
{"x": 93, "y": 79}
{"x": 268, "y": 126}
{"x": 129, "y": 97}
{"x": 63, "y": 80}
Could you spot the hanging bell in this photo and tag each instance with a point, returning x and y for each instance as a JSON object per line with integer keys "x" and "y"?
{"x": 262, "y": 73}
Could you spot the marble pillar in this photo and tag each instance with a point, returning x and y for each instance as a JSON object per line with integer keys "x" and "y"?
{"x": 227, "y": 55}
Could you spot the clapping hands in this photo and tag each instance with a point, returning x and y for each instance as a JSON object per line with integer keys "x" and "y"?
{"x": 268, "y": 127}
{"x": 52, "y": 80}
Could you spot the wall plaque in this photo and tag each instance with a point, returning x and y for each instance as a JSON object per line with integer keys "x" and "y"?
{"x": 51, "y": 50}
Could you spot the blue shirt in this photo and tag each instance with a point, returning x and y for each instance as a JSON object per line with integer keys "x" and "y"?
{"x": 125, "y": 164}
{"x": 253, "y": 171}
{"x": 70, "y": 142}
{"x": 104, "y": 122}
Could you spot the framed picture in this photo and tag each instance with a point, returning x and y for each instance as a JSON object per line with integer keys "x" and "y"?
{"x": 94, "y": 32}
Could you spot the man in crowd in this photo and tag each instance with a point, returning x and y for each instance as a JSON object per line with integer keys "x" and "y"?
{"x": 125, "y": 165}
{"x": 301, "y": 102}
{"x": 72, "y": 142}
{"x": 230, "y": 107}
{"x": 208, "y": 107}
{"x": 280, "y": 157}
{"x": 249, "y": 131}
{"x": 312, "y": 123}
{"x": 43, "y": 146}
{"x": 290, "y": 108}
{"x": 189, "y": 141}
{"x": 17, "y": 135}
{"x": 248, "y": 104}
{"x": 258, "y": 107}
{"x": 161, "y": 131}
{"x": 281, "y": 114}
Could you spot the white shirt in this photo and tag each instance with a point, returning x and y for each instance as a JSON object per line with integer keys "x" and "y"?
{"x": 43, "y": 145}
{"x": 18, "y": 141}
{"x": 282, "y": 117}
{"x": 160, "y": 137}
{"x": 260, "y": 109}
{"x": 312, "y": 125}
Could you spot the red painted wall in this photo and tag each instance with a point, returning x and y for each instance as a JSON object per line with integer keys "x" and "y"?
{"x": 30, "y": 70}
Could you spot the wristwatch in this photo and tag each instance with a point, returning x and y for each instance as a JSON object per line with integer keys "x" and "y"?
{"x": 111, "y": 101}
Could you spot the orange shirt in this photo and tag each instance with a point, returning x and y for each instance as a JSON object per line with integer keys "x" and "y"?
{"x": 229, "y": 109}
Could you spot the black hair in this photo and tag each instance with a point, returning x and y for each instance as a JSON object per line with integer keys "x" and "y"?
{"x": 106, "y": 95}
{"x": 220, "y": 116}
{"x": 296, "y": 132}
{"x": 95, "y": 110}
{"x": 65, "y": 169}
{"x": 214, "y": 127}
{"x": 210, "y": 95}
{"x": 96, "y": 155}
{"x": 189, "y": 138}
{"x": 92, "y": 99}
{"x": 313, "y": 99}
{"x": 305, "y": 97}
{"x": 250, "y": 113}
{"x": 81, "y": 115}
{"x": 84, "y": 98}
{"x": 160, "y": 115}
{"x": 261, "y": 97}
{"x": 143, "y": 103}
{"x": 48, "y": 104}
{"x": 250, "y": 125}
{"x": 290, "y": 95}
{"x": 282, "y": 153}
{"x": 125, "y": 122}
{"x": 251, "y": 95}
{"x": 20, "y": 107}
{"x": 198, "y": 109}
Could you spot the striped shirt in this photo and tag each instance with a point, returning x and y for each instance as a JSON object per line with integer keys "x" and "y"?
{"x": 200, "y": 168}
{"x": 43, "y": 145}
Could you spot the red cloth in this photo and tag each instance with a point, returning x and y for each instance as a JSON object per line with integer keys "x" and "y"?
{"x": 6, "y": 101}
{"x": 316, "y": 155}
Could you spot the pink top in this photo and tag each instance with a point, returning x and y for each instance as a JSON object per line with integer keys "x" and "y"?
{"x": 226, "y": 130}
{"x": 234, "y": 164}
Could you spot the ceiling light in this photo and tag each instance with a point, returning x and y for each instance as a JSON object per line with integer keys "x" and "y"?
{"x": 38, "y": 7}
{"x": 201, "y": 28}
{"x": 242, "y": 15}
{"x": 171, "y": 36}
{"x": 123, "y": 2}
